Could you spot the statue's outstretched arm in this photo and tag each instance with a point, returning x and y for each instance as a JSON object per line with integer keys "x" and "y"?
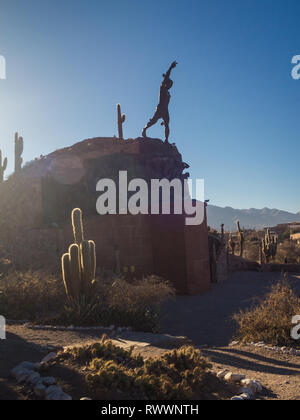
{"x": 167, "y": 75}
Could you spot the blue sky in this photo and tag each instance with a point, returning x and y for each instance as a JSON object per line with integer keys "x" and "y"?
{"x": 234, "y": 108}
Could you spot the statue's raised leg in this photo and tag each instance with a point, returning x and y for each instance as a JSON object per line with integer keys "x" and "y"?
{"x": 151, "y": 122}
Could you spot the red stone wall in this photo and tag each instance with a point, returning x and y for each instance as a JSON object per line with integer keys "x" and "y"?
{"x": 161, "y": 245}
{"x": 197, "y": 259}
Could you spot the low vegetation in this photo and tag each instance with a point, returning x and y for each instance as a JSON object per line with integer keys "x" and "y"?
{"x": 271, "y": 320}
{"x": 31, "y": 295}
{"x": 115, "y": 373}
{"x": 288, "y": 250}
{"x": 40, "y": 297}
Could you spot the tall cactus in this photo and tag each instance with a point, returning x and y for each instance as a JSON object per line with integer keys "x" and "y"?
{"x": 241, "y": 237}
{"x": 269, "y": 246}
{"x": 231, "y": 244}
{"x": 121, "y": 120}
{"x": 79, "y": 264}
{"x": 19, "y": 147}
{"x": 2, "y": 167}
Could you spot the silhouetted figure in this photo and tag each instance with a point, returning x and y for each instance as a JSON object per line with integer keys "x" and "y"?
{"x": 162, "y": 110}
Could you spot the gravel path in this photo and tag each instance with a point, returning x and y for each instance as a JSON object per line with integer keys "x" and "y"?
{"x": 206, "y": 319}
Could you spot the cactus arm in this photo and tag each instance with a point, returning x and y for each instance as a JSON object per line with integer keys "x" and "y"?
{"x": 79, "y": 264}
{"x": 77, "y": 226}
{"x": 19, "y": 148}
{"x": 66, "y": 274}
{"x": 75, "y": 269}
{"x": 93, "y": 258}
{"x": 2, "y": 167}
{"x": 121, "y": 120}
{"x": 4, "y": 164}
{"x": 86, "y": 266}
{"x": 241, "y": 238}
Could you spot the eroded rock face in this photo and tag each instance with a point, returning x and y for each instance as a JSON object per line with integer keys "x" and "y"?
{"x": 69, "y": 176}
{"x": 35, "y": 208}
{"x": 46, "y": 190}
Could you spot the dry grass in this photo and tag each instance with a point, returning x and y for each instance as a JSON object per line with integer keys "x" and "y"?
{"x": 271, "y": 321}
{"x": 40, "y": 297}
{"x": 290, "y": 250}
{"x": 119, "y": 302}
{"x": 30, "y": 295}
{"x": 121, "y": 294}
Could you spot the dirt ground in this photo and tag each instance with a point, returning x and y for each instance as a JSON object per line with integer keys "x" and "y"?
{"x": 206, "y": 320}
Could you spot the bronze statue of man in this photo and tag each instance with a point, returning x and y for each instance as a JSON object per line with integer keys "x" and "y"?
{"x": 162, "y": 110}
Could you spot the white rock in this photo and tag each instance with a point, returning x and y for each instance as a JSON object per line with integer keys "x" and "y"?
{"x": 221, "y": 374}
{"x": 245, "y": 396}
{"x": 48, "y": 381}
{"x": 255, "y": 386}
{"x": 29, "y": 365}
{"x": 34, "y": 378}
{"x": 53, "y": 389}
{"x": 258, "y": 386}
{"x": 65, "y": 397}
{"x": 19, "y": 370}
{"x": 237, "y": 398}
{"x": 54, "y": 396}
{"x": 246, "y": 390}
{"x": 49, "y": 358}
{"x": 234, "y": 377}
{"x": 85, "y": 399}
{"x": 40, "y": 390}
{"x": 23, "y": 376}
{"x": 58, "y": 396}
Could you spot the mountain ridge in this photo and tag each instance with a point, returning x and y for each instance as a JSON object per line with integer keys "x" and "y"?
{"x": 249, "y": 218}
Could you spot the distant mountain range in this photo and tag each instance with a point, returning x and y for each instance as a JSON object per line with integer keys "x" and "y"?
{"x": 250, "y": 219}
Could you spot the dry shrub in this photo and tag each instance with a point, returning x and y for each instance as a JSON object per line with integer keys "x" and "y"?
{"x": 40, "y": 297}
{"x": 119, "y": 302}
{"x": 121, "y": 294}
{"x": 177, "y": 375}
{"x": 271, "y": 321}
{"x": 290, "y": 250}
{"x": 30, "y": 295}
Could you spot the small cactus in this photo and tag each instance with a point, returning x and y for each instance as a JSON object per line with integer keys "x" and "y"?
{"x": 222, "y": 233}
{"x": 79, "y": 264}
{"x": 269, "y": 246}
{"x": 19, "y": 147}
{"x": 2, "y": 167}
{"x": 121, "y": 120}
{"x": 241, "y": 237}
